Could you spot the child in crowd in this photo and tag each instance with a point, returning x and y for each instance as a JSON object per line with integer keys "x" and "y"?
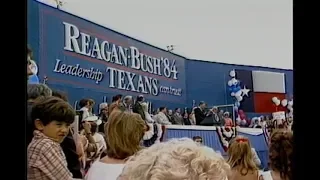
{"x": 52, "y": 117}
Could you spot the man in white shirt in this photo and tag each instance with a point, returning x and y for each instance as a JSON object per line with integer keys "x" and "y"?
{"x": 161, "y": 117}
{"x": 86, "y": 106}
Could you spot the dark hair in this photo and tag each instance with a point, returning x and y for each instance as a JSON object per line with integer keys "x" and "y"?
{"x": 83, "y": 103}
{"x": 196, "y": 137}
{"x": 162, "y": 108}
{"x": 281, "y": 152}
{"x": 116, "y": 97}
{"x": 201, "y": 102}
{"x": 48, "y": 109}
{"x": 176, "y": 109}
{"x": 60, "y": 94}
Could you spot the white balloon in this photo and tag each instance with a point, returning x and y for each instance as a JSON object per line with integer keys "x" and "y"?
{"x": 274, "y": 99}
{"x": 238, "y": 120}
{"x": 278, "y": 102}
{"x": 232, "y": 94}
{"x": 239, "y": 98}
{"x": 232, "y": 73}
{"x": 234, "y": 81}
{"x": 290, "y": 103}
{"x": 230, "y": 83}
{"x": 290, "y": 108}
{"x": 284, "y": 102}
{"x": 238, "y": 93}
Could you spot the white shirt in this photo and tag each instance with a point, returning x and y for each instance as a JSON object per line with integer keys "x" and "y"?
{"x": 266, "y": 175}
{"x": 256, "y": 158}
{"x": 85, "y": 113}
{"x": 103, "y": 171}
{"x": 162, "y": 119}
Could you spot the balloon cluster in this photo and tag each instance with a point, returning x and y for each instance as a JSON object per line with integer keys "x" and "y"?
{"x": 285, "y": 103}
{"x": 235, "y": 89}
{"x": 276, "y": 101}
{"x": 237, "y": 94}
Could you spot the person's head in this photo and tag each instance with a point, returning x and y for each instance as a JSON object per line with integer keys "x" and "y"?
{"x": 226, "y": 114}
{"x": 280, "y": 152}
{"x": 36, "y": 90}
{"x": 52, "y": 116}
{"x": 197, "y": 139}
{"x": 170, "y": 112}
{"x": 202, "y": 105}
{"x": 140, "y": 98}
{"x": 214, "y": 109}
{"x": 163, "y": 110}
{"x": 94, "y": 122}
{"x": 117, "y": 98}
{"x": 176, "y": 159}
{"x": 103, "y": 108}
{"x": 88, "y": 103}
{"x": 240, "y": 155}
{"x": 124, "y": 132}
{"x": 177, "y": 110}
{"x": 91, "y": 103}
{"x": 60, "y": 94}
{"x": 29, "y": 58}
{"x": 128, "y": 100}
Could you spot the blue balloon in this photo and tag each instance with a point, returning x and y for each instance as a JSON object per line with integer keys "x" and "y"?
{"x": 236, "y": 89}
{"x": 33, "y": 79}
{"x": 235, "y": 109}
{"x": 230, "y": 89}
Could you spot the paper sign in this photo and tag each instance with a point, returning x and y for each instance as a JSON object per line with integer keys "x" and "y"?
{"x": 279, "y": 115}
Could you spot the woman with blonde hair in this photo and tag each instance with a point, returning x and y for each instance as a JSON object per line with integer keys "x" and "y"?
{"x": 124, "y": 132}
{"x": 280, "y": 155}
{"x": 176, "y": 159}
{"x": 241, "y": 160}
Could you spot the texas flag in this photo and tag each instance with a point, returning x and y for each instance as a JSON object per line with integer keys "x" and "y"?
{"x": 261, "y": 87}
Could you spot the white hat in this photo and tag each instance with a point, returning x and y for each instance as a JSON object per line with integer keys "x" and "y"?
{"x": 93, "y": 119}
{"x": 103, "y": 105}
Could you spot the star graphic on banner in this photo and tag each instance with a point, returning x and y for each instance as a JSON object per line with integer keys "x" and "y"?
{"x": 245, "y": 91}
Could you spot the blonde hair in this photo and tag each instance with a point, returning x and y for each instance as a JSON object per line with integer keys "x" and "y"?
{"x": 240, "y": 155}
{"x": 124, "y": 131}
{"x": 176, "y": 159}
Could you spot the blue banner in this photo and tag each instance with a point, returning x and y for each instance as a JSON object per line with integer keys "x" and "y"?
{"x": 75, "y": 52}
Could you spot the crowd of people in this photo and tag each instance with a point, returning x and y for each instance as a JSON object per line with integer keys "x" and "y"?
{"x": 111, "y": 145}
{"x": 124, "y": 142}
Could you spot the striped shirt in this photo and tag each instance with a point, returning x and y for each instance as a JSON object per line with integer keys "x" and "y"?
{"x": 46, "y": 160}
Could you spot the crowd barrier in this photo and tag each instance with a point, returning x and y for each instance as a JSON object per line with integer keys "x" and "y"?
{"x": 211, "y": 138}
